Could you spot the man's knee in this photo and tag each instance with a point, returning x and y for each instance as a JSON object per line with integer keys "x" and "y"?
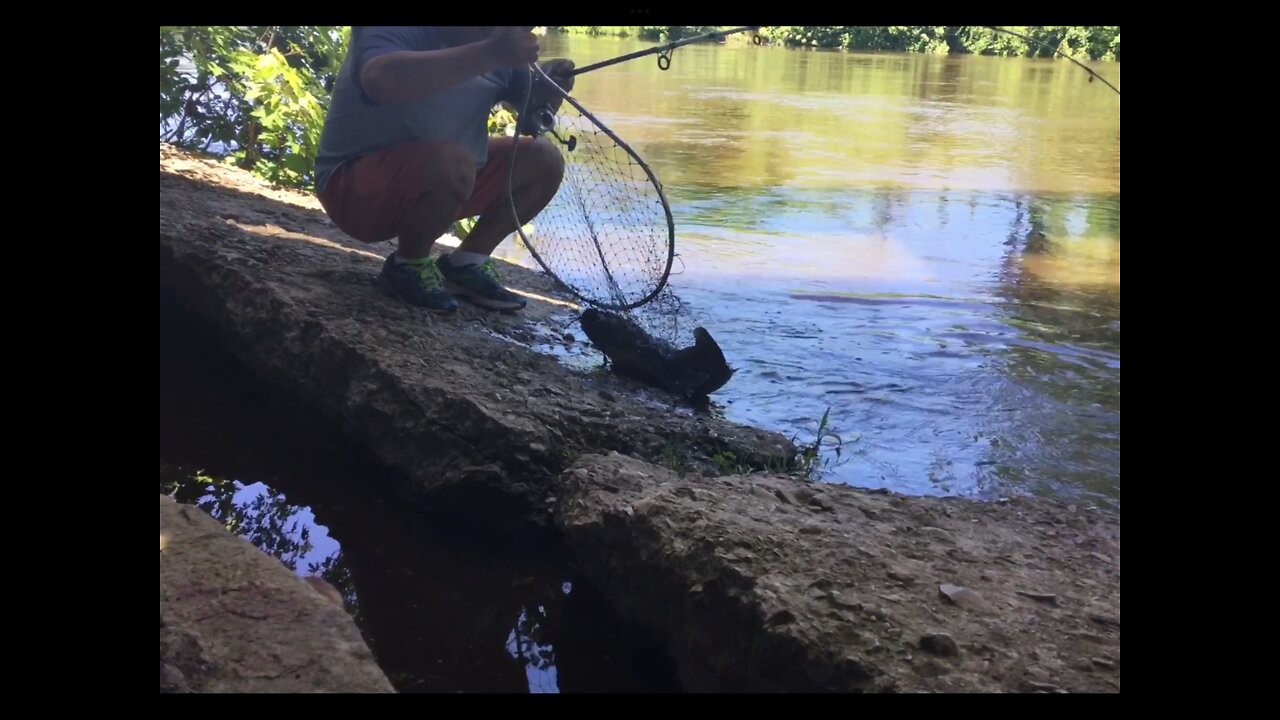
{"x": 547, "y": 161}
{"x": 451, "y": 171}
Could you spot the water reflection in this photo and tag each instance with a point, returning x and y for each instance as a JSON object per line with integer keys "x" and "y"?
{"x": 264, "y": 516}
{"x": 525, "y": 646}
{"x": 436, "y": 602}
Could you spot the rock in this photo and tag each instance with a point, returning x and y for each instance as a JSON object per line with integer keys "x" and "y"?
{"x": 331, "y": 341}
{"x": 749, "y": 602}
{"x": 236, "y": 620}
{"x": 1107, "y": 620}
{"x": 901, "y": 576}
{"x": 338, "y": 346}
{"x": 820, "y": 501}
{"x": 939, "y": 644}
{"x": 963, "y": 597}
{"x": 1048, "y": 598}
{"x": 327, "y": 591}
{"x": 781, "y": 617}
{"x": 172, "y": 680}
{"x": 846, "y": 598}
{"x": 1037, "y": 686}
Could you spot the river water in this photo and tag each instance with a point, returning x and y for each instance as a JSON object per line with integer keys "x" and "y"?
{"x": 927, "y": 246}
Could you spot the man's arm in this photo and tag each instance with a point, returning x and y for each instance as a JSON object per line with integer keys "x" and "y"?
{"x": 560, "y": 71}
{"x": 394, "y": 76}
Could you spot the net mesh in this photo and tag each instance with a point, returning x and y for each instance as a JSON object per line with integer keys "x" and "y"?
{"x": 608, "y": 234}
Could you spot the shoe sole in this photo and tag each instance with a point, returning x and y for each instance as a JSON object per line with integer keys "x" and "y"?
{"x": 484, "y": 302}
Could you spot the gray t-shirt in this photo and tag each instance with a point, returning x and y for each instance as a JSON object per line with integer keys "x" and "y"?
{"x": 355, "y": 126}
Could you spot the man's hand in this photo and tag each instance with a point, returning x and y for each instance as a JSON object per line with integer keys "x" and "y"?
{"x": 513, "y": 46}
{"x": 559, "y": 70}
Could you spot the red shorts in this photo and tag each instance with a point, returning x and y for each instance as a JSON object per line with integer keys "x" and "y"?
{"x": 367, "y": 198}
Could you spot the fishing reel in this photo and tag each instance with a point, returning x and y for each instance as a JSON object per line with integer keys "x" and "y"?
{"x": 540, "y": 119}
{"x": 537, "y": 121}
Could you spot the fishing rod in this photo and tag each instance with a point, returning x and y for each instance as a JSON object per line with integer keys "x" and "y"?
{"x": 664, "y": 51}
{"x": 1092, "y": 73}
{"x": 543, "y": 119}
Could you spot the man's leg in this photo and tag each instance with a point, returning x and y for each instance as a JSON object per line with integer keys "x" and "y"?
{"x": 448, "y": 175}
{"x": 539, "y": 170}
{"x": 414, "y": 191}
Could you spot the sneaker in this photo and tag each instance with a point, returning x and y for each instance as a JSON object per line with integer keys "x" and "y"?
{"x": 418, "y": 284}
{"x": 479, "y": 284}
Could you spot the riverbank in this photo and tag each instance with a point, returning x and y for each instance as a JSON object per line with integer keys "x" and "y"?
{"x": 824, "y": 587}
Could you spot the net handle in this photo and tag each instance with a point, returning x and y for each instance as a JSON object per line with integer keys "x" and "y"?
{"x": 653, "y": 179}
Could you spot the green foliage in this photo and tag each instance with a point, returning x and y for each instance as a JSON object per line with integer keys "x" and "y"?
{"x": 1080, "y": 42}
{"x": 502, "y": 122}
{"x": 597, "y": 30}
{"x": 981, "y": 41}
{"x": 665, "y": 33}
{"x": 256, "y": 95}
{"x": 810, "y": 456}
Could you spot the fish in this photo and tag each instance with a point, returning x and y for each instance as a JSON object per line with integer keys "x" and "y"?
{"x": 692, "y": 373}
